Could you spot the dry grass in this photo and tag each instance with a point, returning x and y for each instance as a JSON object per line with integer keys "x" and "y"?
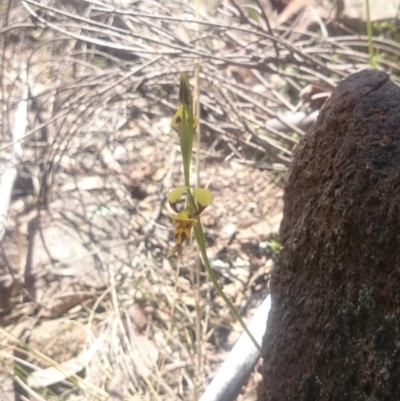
{"x": 85, "y": 285}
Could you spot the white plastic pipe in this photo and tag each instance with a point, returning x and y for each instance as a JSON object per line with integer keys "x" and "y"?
{"x": 237, "y": 367}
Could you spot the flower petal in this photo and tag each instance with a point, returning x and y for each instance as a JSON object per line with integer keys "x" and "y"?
{"x": 176, "y": 193}
{"x": 177, "y": 249}
{"x": 203, "y": 196}
{"x": 177, "y": 119}
{"x": 173, "y": 250}
{"x": 185, "y": 95}
{"x": 184, "y": 215}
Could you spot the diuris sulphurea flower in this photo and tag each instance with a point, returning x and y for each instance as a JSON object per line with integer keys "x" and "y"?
{"x": 186, "y": 218}
{"x": 177, "y": 119}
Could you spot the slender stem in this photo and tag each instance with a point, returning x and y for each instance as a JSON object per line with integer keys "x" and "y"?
{"x": 197, "y": 297}
{"x": 369, "y": 33}
{"x": 198, "y": 232}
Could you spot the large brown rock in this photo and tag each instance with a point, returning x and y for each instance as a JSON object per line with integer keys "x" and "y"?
{"x": 333, "y": 331}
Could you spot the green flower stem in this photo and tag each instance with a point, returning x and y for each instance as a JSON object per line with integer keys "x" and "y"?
{"x": 372, "y": 60}
{"x": 198, "y": 232}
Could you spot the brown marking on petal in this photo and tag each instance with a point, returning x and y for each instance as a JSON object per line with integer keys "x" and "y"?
{"x": 179, "y": 253}
{"x": 174, "y": 207}
{"x": 199, "y": 211}
{"x": 184, "y": 91}
{"x": 178, "y": 120}
{"x": 178, "y": 236}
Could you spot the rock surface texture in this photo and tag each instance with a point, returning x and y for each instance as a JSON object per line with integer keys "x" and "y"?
{"x": 333, "y": 331}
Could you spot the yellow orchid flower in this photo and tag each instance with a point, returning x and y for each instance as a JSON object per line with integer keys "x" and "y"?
{"x": 185, "y": 219}
{"x": 177, "y": 119}
{"x": 183, "y": 225}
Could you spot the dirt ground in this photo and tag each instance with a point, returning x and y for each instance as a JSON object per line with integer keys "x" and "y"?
{"x": 96, "y": 266}
{"x": 85, "y": 279}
